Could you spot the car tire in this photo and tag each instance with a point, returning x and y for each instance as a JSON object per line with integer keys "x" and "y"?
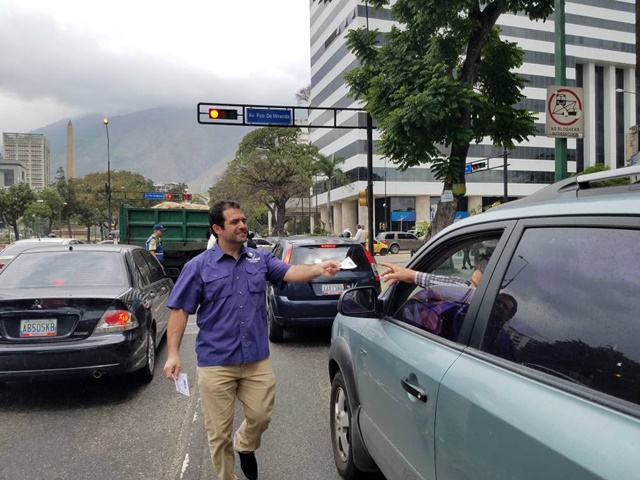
{"x": 276, "y": 331}
{"x": 340, "y": 425}
{"x": 383, "y": 251}
{"x": 395, "y": 248}
{"x": 145, "y": 374}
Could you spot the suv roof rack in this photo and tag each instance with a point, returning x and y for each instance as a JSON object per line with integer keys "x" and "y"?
{"x": 584, "y": 185}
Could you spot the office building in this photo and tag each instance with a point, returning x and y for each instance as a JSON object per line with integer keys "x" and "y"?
{"x": 600, "y": 37}
{"x": 32, "y": 151}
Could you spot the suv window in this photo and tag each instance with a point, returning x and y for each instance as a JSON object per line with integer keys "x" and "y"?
{"x": 303, "y": 254}
{"x": 569, "y": 307}
{"x": 406, "y": 236}
{"x": 441, "y": 306}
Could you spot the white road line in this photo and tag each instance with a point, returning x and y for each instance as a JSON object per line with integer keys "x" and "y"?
{"x": 185, "y": 464}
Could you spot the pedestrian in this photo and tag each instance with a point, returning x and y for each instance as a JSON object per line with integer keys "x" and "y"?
{"x": 251, "y": 243}
{"x": 154, "y": 243}
{"x": 346, "y": 233}
{"x": 466, "y": 258}
{"x": 359, "y": 236}
{"x": 226, "y": 285}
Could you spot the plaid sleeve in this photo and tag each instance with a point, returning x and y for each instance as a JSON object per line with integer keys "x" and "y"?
{"x": 425, "y": 279}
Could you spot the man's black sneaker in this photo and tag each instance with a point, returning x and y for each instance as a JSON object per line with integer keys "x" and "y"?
{"x": 249, "y": 465}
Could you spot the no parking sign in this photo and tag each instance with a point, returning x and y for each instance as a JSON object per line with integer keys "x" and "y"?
{"x": 565, "y": 112}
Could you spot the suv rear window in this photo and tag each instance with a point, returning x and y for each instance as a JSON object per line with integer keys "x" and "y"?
{"x": 303, "y": 254}
{"x": 64, "y": 269}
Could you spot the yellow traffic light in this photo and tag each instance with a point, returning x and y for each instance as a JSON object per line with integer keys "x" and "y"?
{"x": 223, "y": 114}
{"x": 362, "y": 197}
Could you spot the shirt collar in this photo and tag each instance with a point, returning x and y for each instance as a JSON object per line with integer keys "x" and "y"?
{"x": 218, "y": 253}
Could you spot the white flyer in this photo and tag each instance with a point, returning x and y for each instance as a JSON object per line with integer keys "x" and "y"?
{"x": 182, "y": 386}
{"x": 347, "y": 264}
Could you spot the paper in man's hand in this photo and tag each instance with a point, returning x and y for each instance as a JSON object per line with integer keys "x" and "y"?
{"x": 347, "y": 264}
{"x": 182, "y": 386}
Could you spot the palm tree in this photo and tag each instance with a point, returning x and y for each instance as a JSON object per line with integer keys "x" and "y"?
{"x": 328, "y": 167}
{"x": 303, "y": 96}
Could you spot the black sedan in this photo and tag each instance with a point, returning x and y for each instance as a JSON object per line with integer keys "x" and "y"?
{"x": 82, "y": 310}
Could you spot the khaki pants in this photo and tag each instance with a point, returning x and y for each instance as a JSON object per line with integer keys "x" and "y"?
{"x": 254, "y": 384}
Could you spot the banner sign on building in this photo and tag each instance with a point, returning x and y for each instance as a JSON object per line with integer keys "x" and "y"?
{"x": 565, "y": 112}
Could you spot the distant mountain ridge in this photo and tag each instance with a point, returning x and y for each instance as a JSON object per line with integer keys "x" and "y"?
{"x": 165, "y": 144}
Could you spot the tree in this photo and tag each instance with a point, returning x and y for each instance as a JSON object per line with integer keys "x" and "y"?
{"x": 303, "y": 96}
{"x": 328, "y": 167}
{"x": 44, "y": 209}
{"x": 270, "y": 168}
{"x": 440, "y": 81}
{"x": 14, "y": 202}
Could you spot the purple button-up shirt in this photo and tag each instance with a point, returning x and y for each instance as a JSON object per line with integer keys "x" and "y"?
{"x": 229, "y": 298}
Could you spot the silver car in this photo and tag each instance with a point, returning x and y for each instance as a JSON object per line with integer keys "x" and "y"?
{"x": 397, "y": 241}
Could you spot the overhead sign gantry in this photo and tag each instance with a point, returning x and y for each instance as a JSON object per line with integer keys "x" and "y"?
{"x": 239, "y": 114}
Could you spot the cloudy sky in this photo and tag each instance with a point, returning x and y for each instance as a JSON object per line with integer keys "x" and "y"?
{"x": 63, "y": 58}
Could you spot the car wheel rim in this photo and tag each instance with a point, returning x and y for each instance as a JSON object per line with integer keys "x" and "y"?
{"x": 341, "y": 424}
{"x": 151, "y": 352}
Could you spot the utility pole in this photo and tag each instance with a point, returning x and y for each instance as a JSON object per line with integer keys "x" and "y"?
{"x": 560, "y": 80}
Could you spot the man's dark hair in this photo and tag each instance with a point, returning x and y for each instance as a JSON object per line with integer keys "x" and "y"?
{"x": 481, "y": 262}
{"x": 216, "y": 214}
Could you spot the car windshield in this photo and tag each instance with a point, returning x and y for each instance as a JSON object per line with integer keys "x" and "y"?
{"x": 64, "y": 269}
{"x": 303, "y": 254}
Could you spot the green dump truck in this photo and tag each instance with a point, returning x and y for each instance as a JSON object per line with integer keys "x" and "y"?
{"x": 186, "y": 235}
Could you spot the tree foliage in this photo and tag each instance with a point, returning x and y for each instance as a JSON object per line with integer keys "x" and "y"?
{"x": 270, "y": 168}
{"x": 441, "y": 80}
{"x": 14, "y": 202}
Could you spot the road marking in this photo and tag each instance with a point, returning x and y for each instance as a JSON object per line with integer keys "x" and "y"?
{"x": 185, "y": 464}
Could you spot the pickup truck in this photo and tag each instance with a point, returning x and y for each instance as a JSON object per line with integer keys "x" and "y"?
{"x": 186, "y": 235}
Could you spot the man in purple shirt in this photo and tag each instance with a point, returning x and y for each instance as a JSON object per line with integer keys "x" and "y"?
{"x": 226, "y": 286}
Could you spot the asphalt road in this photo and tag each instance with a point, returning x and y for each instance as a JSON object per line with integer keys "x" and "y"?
{"x": 112, "y": 428}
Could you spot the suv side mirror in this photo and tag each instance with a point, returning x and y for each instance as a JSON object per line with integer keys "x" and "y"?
{"x": 360, "y": 302}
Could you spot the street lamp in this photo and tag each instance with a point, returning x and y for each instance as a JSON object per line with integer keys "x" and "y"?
{"x": 107, "y": 187}
{"x": 60, "y": 219}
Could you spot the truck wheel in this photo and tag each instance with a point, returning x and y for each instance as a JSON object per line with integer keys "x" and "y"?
{"x": 276, "y": 331}
{"x": 395, "y": 248}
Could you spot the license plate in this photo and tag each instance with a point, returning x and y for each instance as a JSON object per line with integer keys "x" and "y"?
{"x": 332, "y": 288}
{"x": 39, "y": 328}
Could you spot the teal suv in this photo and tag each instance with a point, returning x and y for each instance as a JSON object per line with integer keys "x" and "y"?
{"x": 533, "y": 374}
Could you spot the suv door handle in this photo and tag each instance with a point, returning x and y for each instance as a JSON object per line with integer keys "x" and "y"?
{"x": 413, "y": 390}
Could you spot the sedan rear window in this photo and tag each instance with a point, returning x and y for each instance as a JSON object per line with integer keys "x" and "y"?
{"x": 64, "y": 269}
{"x": 303, "y": 254}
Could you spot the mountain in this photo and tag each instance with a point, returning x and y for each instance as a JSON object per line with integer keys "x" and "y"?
{"x": 164, "y": 144}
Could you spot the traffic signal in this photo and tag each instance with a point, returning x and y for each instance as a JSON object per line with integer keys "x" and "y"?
{"x": 223, "y": 114}
{"x": 187, "y": 197}
{"x": 169, "y": 196}
{"x": 362, "y": 197}
{"x": 478, "y": 166}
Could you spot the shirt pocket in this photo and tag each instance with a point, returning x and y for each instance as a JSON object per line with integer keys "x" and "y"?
{"x": 217, "y": 285}
{"x": 256, "y": 278}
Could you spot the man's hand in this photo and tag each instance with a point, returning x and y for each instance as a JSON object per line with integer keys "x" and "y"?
{"x": 172, "y": 367}
{"x": 329, "y": 268}
{"x": 397, "y": 273}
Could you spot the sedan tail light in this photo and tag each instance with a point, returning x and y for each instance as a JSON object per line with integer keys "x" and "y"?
{"x": 116, "y": 321}
{"x": 287, "y": 255}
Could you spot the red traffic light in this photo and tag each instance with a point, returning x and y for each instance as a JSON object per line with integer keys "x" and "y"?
{"x": 168, "y": 196}
{"x": 223, "y": 114}
{"x": 478, "y": 166}
{"x": 187, "y": 197}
